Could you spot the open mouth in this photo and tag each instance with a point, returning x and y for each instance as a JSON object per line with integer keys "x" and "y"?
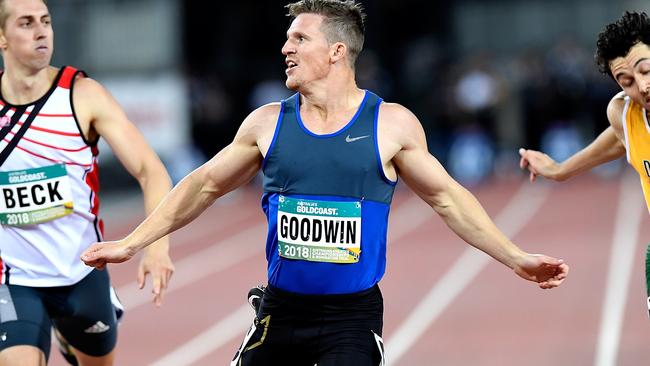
{"x": 291, "y": 65}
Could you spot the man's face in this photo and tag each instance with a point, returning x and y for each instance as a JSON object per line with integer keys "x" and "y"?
{"x": 27, "y": 37}
{"x": 306, "y": 51}
{"x": 638, "y": 61}
{"x": 625, "y": 78}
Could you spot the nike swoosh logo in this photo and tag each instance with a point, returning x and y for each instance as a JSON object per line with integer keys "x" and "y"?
{"x": 353, "y": 139}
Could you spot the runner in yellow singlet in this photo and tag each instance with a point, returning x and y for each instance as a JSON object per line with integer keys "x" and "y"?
{"x": 622, "y": 54}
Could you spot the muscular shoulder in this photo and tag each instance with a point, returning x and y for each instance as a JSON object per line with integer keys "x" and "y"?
{"x": 260, "y": 123}
{"x": 92, "y": 100}
{"x": 88, "y": 89}
{"x": 399, "y": 124}
{"x": 94, "y": 106}
{"x": 615, "y": 111}
{"x": 263, "y": 117}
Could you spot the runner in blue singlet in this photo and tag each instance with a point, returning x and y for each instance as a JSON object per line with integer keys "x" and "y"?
{"x": 331, "y": 155}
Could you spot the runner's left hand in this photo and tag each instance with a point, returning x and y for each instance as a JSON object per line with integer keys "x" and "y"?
{"x": 156, "y": 262}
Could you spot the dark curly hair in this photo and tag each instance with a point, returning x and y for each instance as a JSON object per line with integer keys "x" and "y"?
{"x": 619, "y": 37}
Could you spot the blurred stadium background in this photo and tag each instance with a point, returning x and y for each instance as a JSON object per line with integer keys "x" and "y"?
{"x": 485, "y": 77}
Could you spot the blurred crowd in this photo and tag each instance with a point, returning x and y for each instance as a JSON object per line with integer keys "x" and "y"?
{"x": 484, "y": 77}
{"x": 477, "y": 109}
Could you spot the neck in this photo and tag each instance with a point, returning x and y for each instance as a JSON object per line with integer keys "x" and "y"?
{"x": 332, "y": 95}
{"x": 22, "y": 86}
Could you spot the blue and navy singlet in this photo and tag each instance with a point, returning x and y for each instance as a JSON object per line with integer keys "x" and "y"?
{"x": 327, "y": 200}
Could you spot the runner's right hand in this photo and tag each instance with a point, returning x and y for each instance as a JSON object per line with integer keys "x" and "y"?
{"x": 539, "y": 163}
{"x": 98, "y": 254}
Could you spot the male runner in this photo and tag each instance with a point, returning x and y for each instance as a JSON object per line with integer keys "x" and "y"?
{"x": 623, "y": 54}
{"x": 620, "y": 46}
{"x": 331, "y": 155}
{"x": 50, "y": 123}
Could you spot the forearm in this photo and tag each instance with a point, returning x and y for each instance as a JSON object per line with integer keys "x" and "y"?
{"x": 462, "y": 212}
{"x": 605, "y": 148}
{"x": 155, "y": 185}
{"x": 184, "y": 203}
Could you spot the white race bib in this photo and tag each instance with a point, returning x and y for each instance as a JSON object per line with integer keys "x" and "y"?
{"x": 33, "y": 196}
{"x": 319, "y": 231}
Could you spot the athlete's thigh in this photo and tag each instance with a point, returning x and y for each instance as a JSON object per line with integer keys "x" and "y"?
{"x": 22, "y": 356}
{"x": 353, "y": 347}
{"x": 24, "y": 320}
{"x": 89, "y": 324}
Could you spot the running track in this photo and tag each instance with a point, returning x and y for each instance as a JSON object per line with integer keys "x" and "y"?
{"x": 446, "y": 303}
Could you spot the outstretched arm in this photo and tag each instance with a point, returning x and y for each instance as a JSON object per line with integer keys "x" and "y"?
{"x": 233, "y": 166}
{"x": 106, "y": 118}
{"x": 459, "y": 208}
{"x": 608, "y": 146}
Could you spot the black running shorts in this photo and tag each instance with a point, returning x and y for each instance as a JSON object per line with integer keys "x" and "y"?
{"x": 303, "y": 330}
{"x": 82, "y": 313}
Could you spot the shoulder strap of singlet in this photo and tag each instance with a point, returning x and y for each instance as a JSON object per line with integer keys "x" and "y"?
{"x": 626, "y": 132}
{"x": 68, "y": 75}
{"x": 291, "y": 103}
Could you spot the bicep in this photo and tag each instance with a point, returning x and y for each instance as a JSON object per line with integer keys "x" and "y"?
{"x": 125, "y": 140}
{"x": 615, "y": 144}
{"x": 101, "y": 113}
{"x": 404, "y": 137}
{"x": 238, "y": 162}
{"x": 424, "y": 174}
{"x": 232, "y": 167}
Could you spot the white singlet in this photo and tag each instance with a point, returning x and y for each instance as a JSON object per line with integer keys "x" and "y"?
{"x": 48, "y": 189}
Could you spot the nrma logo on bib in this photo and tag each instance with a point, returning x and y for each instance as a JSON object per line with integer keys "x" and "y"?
{"x": 322, "y": 231}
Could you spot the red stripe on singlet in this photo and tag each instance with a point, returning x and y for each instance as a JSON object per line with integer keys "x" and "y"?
{"x": 48, "y": 159}
{"x": 51, "y": 131}
{"x": 52, "y": 147}
{"x": 92, "y": 180}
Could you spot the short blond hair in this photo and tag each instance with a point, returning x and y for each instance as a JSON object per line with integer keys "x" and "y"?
{"x": 4, "y": 14}
{"x": 344, "y": 21}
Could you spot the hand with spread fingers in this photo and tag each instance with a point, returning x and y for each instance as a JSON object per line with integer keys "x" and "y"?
{"x": 158, "y": 264}
{"x": 155, "y": 262}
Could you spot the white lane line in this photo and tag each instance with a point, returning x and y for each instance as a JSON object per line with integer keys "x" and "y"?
{"x": 219, "y": 256}
{"x": 119, "y": 211}
{"x": 212, "y": 338}
{"x": 406, "y": 217}
{"x": 521, "y": 208}
{"x": 621, "y": 261}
